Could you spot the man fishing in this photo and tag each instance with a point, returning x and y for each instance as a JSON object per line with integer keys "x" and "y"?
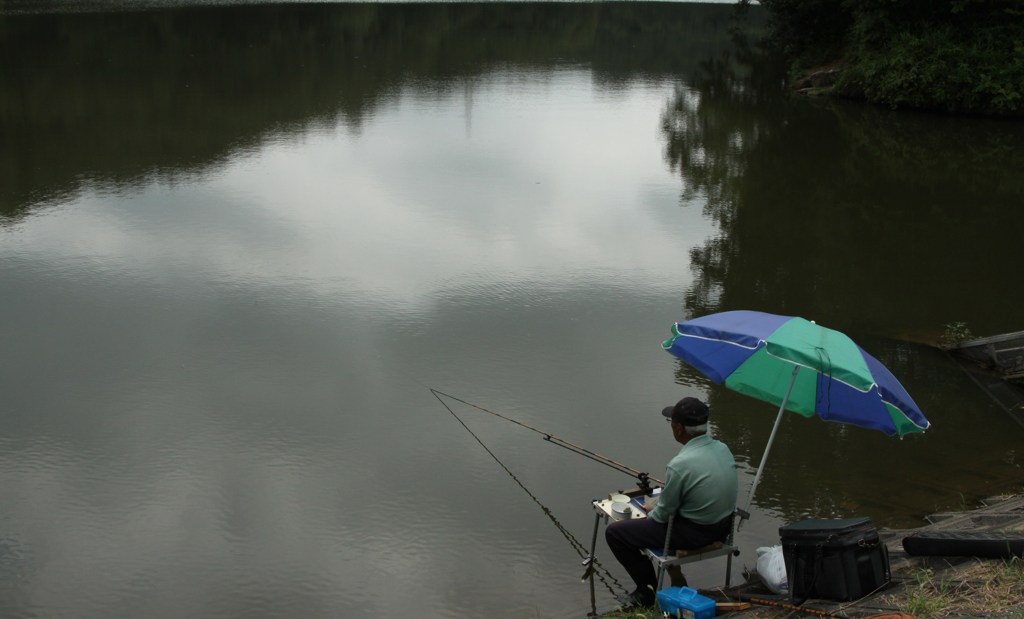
{"x": 700, "y": 489}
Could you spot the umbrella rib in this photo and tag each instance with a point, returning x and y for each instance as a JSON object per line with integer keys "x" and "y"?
{"x": 896, "y": 405}
{"x": 816, "y": 371}
{"x": 769, "y": 353}
{"x": 721, "y": 341}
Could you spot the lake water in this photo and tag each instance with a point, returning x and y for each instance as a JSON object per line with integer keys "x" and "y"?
{"x": 240, "y": 244}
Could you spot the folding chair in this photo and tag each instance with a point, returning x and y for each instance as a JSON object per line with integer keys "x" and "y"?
{"x": 663, "y": 560}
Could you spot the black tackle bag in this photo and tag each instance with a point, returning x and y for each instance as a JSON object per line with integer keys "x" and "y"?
{"x": 837, "y": 560}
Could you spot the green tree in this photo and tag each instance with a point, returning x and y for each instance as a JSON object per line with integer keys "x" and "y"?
{"x": 961, "y": 56}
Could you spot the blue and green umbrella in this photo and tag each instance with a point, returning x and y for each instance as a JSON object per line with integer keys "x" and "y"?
{"x": 798, "y": 365}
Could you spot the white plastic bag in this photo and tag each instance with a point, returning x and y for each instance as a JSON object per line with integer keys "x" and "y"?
{"x": 771, "y": 567}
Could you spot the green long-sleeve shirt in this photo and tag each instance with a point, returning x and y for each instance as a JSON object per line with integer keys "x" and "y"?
{"x": 700, "y": 484}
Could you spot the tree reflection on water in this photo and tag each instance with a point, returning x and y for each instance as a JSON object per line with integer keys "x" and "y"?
{"x": 871, "y": 219}
{"x": 111, "y": 96}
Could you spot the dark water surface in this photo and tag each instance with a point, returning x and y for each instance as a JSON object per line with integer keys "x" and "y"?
{"x": 239, "y": 243}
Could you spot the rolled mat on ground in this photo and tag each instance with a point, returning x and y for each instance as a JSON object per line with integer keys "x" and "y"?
{"x": 982, "y": 544}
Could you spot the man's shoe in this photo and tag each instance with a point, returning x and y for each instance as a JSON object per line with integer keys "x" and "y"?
{"x": 637, "y": 599}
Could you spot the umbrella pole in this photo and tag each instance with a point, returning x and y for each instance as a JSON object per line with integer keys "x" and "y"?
{"x": 771, "y": 438}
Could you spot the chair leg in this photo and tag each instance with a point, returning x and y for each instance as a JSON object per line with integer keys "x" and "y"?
{"x": 589, "y": 573}
{"x": 664, "y": 552}
{"x": 676, "y": 576}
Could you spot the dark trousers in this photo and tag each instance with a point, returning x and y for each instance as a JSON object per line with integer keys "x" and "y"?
{"x": 626, "y": 539}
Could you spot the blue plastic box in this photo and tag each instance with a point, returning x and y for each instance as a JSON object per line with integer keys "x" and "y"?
{"x": 685, "y": 603}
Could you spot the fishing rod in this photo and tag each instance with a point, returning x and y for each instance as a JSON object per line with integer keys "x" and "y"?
{"x": 643, "y": 479}
{"x": 792, "y": 607}
{"x": 594, "y": 567}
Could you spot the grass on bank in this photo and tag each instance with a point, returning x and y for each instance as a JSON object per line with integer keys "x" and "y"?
{"x": 979, "y": 588}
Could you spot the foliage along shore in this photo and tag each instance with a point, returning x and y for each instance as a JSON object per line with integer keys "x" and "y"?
{"x": 952, "y": 56}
